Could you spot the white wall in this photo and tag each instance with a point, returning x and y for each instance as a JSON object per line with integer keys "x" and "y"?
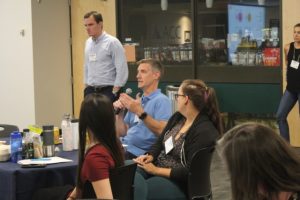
{"x": 35, "y": 69}
{"x": 16, "y": 63}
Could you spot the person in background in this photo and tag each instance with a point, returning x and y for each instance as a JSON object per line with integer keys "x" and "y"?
{"x": 104, "y": 152}
{"x": 292, "y": 91}
{"x": 105, "y": 65}
{"x": 261, "y": 164}
{"x": 196, "y": 125}
{"x": 147, "y": 115}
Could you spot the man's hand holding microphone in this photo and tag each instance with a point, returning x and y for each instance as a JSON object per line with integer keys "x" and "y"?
{"x": 118, "y": 106}
{"x": 127, "y": 102}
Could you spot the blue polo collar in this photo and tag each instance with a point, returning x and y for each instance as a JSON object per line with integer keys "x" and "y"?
{"x": 145, "y": 99}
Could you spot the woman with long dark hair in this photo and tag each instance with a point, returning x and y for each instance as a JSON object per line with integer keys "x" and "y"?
{"x": 196, "y": 125}
{"x": 261, "y": 164}
{"x": 99, "y": 151}
{"x": 97, "y": 123}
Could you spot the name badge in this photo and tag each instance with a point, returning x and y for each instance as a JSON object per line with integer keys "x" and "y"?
{"x": 169, "y": 144}
{"x": 294, "y": 64}
{"x": 92, "y": 57}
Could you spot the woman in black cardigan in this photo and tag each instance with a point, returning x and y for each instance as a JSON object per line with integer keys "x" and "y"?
{"x": 197, "y": 124}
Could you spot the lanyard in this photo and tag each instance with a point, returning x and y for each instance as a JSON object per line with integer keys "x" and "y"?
{"x": 295, "y": 53}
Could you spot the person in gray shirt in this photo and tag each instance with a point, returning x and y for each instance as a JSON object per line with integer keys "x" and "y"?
{"x": 105, "y": 64}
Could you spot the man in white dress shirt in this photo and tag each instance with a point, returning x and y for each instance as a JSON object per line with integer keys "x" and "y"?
{"x": 105, "y": 64}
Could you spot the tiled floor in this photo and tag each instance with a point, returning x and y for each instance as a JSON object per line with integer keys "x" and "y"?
{"x": 219, "y": 179}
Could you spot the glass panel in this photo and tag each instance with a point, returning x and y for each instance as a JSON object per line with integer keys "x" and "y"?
{"x": 212, "y": 26}
{"x": 160, "y": 29}
{"x": 238, "y": 33}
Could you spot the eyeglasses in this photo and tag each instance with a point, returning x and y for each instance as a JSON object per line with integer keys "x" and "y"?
{"x": 178, "y": 95}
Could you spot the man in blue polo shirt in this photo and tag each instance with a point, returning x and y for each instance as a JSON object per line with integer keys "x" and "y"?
{"x": 147, "y": 115}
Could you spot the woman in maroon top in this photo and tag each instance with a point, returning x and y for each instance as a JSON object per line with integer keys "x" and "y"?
{"x": 97, "y": 121}
{"x": 102, "y": 152}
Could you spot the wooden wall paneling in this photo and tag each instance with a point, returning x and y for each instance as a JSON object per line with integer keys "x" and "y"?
{"x": 79, "y": 36}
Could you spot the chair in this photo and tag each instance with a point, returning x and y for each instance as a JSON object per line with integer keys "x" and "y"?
{"x": 122, "y": 181}
{"x": 199, "y": 186}
{"x": 6, "y": 130}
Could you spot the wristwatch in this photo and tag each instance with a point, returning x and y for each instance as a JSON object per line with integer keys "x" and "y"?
{"x": 143, "y": 116}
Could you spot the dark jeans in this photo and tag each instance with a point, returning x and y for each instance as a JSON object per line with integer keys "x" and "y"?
{"x": 162, "y": 188}
{"x": 106, "y": 90}
{"x": 287, "y": 102}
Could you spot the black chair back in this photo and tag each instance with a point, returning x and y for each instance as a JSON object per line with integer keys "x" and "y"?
{"x": 122, "y": 181}
{"x": 199, "y": 186}
{"x": 6, "y": 130}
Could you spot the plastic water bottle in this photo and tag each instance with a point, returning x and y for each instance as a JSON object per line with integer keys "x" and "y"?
{"x": 66, "y": 131}
{"x": 75, "y": 132}
{"x": 15, "y": 146}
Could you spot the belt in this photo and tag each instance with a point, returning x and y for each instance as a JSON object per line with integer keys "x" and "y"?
{"x": 100, "y": 87}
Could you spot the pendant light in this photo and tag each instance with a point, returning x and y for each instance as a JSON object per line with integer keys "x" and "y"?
{"x": 164, "y": 5}
{"x": 209, "y": 3}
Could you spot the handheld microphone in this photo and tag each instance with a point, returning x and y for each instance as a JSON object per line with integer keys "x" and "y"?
{"x": 127, "y": 91}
